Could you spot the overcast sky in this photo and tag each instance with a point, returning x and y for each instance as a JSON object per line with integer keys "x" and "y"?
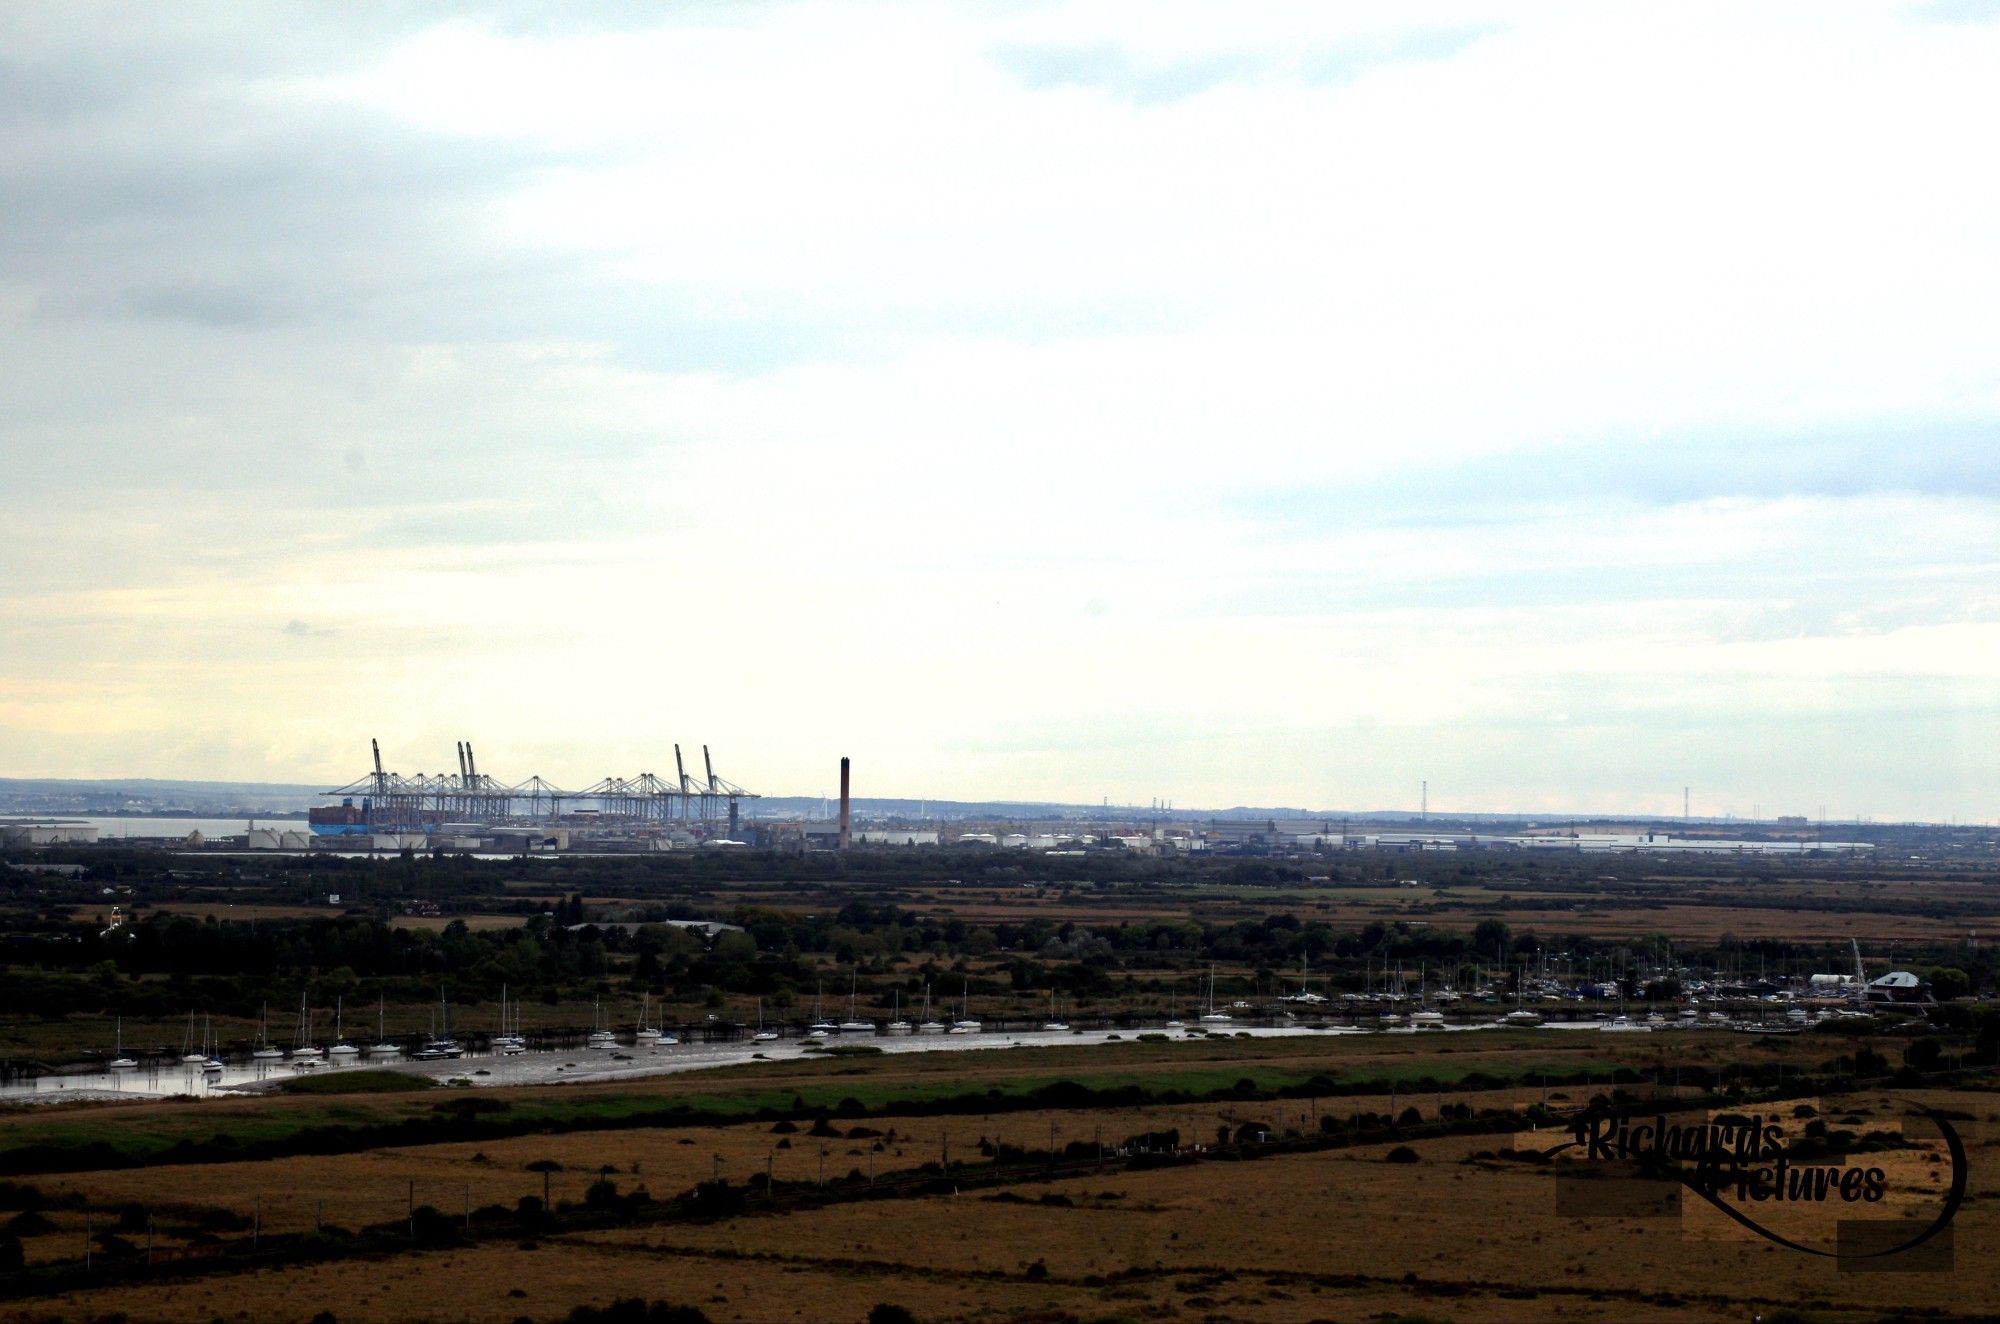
{"x": 1259, "y": 404}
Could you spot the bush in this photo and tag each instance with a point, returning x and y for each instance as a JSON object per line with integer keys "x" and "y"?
{"x": 29, "y": 1223}
{"x": 888, "y": 1314}
{"x": 1400, "y": 1154}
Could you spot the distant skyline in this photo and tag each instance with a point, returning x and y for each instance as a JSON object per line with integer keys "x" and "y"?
{"x": 1565, "y": 403}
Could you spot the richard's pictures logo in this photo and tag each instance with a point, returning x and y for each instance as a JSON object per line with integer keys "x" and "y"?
{"x": 1881, "y": 1200}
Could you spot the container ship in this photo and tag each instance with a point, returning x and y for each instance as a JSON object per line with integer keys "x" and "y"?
{"x": 345, "y": 819}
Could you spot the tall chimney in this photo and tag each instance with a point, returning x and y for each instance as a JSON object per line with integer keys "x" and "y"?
{"x": 843, "y": 803}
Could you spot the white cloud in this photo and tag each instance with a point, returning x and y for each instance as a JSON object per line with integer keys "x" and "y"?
{"x": 1068, "y": 400}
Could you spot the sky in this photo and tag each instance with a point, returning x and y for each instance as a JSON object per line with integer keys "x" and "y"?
{"x": 1283, "y": 404}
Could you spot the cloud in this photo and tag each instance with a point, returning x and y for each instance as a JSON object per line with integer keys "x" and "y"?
{"x": 1036, "y": 401}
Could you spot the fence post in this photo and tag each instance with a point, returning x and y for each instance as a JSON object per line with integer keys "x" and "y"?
{"x": 410, "y": 1207}
{"x": 87, "y": 1232}
{"x": 257, "y": 1223}
{"x": 149, "y": 1240}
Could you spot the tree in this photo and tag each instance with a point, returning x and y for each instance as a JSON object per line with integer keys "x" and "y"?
{"x": 1489, "y": 935}
{"x": 1949, "y": 982}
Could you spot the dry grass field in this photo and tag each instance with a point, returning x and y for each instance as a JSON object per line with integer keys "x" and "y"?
{"x": 1330, "y": 1235}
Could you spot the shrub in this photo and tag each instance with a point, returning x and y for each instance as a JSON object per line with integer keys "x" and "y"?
{"x": 1400, "y": 1154}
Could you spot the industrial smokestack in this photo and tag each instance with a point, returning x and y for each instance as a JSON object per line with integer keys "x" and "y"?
{"x": 843, "y": 803}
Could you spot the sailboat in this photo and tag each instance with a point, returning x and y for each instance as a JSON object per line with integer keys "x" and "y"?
{"x": 266, "y": 1051}
{"x": 1212, "y": 1016}
{"x": 854, "y": 1024}
{"x": 120, "y": 1062}
{"x": 1427, "y": 1018}
{"x": 341, "y": 1048}
{"x": 898, "y": 1025}
{"x": 190, "y": 1054}
{"x": 441, "y": 1044}
{"x": 1174, "y": 1021}
{"x": 763, "y": 1036}
{"x": 965, "y": 1024}
{"x": 645, "y": 1036}
{"x": 821, "y": 1026}
{"x": 1521, "y": 1015}
{"x": 1055, "y": 1020}
{"x": 600, "y": 1038}
{"x": 927, "y": 1025}
{"x": 303, "y": 1048}
{"x": 383, "y": 1045}
{"x": 211, "y": 1049}
{"x": 509, "y": 1040}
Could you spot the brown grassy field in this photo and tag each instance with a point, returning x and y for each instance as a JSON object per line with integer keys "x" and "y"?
{"x": 1338, "y": 1234}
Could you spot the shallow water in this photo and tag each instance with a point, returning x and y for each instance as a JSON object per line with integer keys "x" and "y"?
{"x": 554, "y": 1067}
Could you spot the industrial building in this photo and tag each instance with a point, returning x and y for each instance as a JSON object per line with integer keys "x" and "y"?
{"x": 470, "y": 810}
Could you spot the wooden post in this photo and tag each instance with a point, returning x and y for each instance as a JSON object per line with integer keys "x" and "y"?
{"x": 468, "y": 1206}
{"x": 410, "y": 1206}
{"x": 545, "y": 1190}
{"x": 149, "y": 1241}
{"x": 87, "y": 1231}
{"x": 257, "y": 1224}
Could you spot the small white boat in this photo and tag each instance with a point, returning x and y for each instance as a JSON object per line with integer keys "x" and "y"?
{"x": 510, "y": 1040}
{"x": 600, "y": 1038}
{"x": 341, "y": 1048}
{"x": 211, "y": 1061}
{"x": 303, "y": 1048}
{"x": 898, "y": 1025}
{"x": 1521, "y": 1016}
{"x": 266, "y": 1051}
{"x": 763, "y": 1036}
{"x": 965, "y": 1024}
{"x": 120, "y": 1062}
{"x": 854, "y": 1024}
{"x": 1212, "y": 1016}
{"x": 190, "y": 1056}
{"x": 927, "y": 1025}
{"x": 1427, "y": 1020}
{"x": 645, "y": 1036}
{"x": 1055, "y": 1022}
{"x": 1624, "y": 1025}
